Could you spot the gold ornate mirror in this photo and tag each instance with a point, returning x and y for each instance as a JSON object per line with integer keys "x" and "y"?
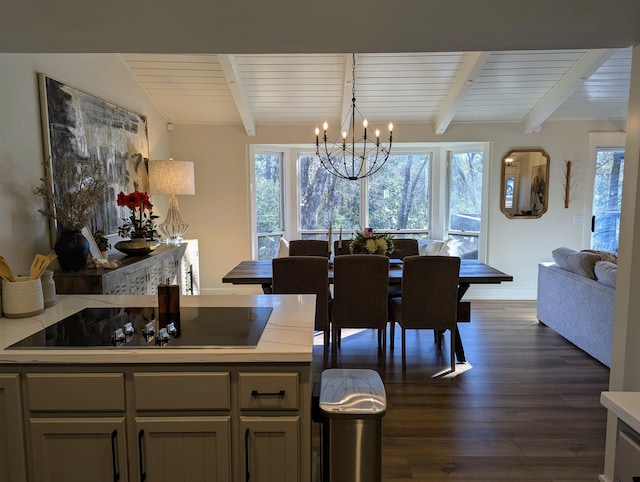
{"x": 524, "y": 183}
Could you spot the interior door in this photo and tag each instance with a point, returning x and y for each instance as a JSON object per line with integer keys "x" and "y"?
{"x": 607, "y": 199}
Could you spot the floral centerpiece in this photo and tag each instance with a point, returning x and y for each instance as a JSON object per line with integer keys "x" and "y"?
{"x": 139, "y": 227}
{"x": 140, "y": 224}
{"x": 374, "y": 243}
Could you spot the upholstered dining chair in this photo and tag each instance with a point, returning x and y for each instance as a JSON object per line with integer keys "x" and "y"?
{"x": 360, "y": 296}
{"x": 306, "y": 275}
{"x": 340, "y": 250}
{"x": 429, "y": 298}
{"x": 404, "y": 247}
{"x": 309, "y": 247}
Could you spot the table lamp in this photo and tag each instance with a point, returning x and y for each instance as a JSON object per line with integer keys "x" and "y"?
{"x": 173, "y": 178}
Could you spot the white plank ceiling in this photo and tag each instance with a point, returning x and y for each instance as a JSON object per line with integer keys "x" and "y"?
{"x": 526, "y": 87}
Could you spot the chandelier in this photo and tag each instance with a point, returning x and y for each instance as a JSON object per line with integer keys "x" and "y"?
{"x": 353, "y": 157}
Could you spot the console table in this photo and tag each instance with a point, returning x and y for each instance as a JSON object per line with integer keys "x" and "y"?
{"x": 137, "y": 275}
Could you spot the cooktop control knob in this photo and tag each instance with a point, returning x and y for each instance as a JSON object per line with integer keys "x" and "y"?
{"x": 163, "y": 336}
{"x": 118, "y": 336}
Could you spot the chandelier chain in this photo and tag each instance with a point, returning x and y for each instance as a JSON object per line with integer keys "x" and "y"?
{"x": 360, "y": 157}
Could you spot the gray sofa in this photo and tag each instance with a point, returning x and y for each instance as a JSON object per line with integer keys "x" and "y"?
{"x": 576, "y": 299}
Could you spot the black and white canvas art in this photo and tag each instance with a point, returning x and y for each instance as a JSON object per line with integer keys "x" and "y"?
{"x": 80, "y": 126}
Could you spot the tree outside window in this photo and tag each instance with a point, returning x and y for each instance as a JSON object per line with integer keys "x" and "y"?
{"x": 269, "y": 203}
{"x": 465, "y": 201}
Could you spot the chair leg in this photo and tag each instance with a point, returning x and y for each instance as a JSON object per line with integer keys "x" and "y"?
{"x": 392, "y": 333}
{"x": 404, "y": 350}
{"x": 438, "y": 334}
{"x": 325, "y": 354}
{"x": 334, "y": 346}
{"x": 452, "y": 338}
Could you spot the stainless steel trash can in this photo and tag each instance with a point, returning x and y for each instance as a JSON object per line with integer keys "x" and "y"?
{"x": 353, "y": 402}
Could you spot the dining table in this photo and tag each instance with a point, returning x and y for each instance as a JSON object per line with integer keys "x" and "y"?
{"x": 472, "y": 271}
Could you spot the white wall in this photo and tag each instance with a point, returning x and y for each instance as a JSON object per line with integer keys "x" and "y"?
{"x": 219, "y": 212}
{"x": 23, "y": 230}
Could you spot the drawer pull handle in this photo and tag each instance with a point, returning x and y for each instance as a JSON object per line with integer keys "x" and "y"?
{"x": 247, "y": 474}
{"x": 256, "y": 394}
{"x": 114, "y": 455}
{"x": 143, "y": 474}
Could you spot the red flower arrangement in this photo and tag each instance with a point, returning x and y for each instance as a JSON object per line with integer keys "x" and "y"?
{"x": 140, "y": 224}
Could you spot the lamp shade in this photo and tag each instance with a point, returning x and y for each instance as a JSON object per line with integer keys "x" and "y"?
{"x": 171, "y": 177}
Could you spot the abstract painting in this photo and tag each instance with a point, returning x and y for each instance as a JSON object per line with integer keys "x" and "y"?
{"x": 79, "y": 126}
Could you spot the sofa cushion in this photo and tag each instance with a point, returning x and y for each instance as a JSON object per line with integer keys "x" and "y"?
{"x": 606, "y": 273}
{"x": 579, "y": 262}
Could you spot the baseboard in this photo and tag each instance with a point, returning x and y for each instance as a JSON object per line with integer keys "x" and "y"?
{"x": 603, "y": 478}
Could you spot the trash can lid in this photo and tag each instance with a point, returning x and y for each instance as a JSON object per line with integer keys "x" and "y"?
{"x": 352, "y": 392}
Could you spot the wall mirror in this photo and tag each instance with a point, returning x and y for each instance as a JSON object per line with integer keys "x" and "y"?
{"x": 525, "y": 179}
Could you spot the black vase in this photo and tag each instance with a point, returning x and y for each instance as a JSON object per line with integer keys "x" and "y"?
{"x": 72, "y": 249}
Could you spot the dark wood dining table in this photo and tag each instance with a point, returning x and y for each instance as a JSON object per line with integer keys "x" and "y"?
{"x": 472, "y": 271}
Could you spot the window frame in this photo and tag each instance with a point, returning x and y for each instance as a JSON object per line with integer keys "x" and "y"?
{"x": 255, "y": 235}
{"x": 484, "y": 209}
{"x": 597, "y": 140}
{"x": 438, "y": 180}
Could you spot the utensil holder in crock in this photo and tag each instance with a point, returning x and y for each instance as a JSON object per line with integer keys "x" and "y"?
{"x": 22, "y": 298}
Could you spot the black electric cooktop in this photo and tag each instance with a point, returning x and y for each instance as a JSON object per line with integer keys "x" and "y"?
{"x": 203, "y": 327}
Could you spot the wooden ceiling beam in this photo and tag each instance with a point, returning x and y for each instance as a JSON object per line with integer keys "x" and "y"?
{"x": 565, "y": 88}
{"x": 234, "y": 79}
{"x": 472, "y": 66}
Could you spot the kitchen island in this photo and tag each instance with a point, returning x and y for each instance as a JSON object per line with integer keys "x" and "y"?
{"x": 162, "y": 413}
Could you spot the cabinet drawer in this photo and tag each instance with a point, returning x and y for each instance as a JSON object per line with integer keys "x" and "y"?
{"x": 76, "y": 392}
{"x": 268, "y": 391}
{"x": 182, "y": 391}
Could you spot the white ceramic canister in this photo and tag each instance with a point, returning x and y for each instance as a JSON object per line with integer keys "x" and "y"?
{"x": 22, "y": 298}
{"x": 48, "y": 288}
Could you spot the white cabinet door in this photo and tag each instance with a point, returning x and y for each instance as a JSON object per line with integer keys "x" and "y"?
{"x": 270, "y": 449}
{"x": 184, "y": 449}
{"x": 79, "y": 449}
{"x": 12, "y": 458}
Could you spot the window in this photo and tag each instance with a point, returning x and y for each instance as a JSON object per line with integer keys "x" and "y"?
{"x": 430, "y": 191}
{"x": 269, "y": 203}
{"x": 465, "y": 201}
{"x": 399, "y": 194}
{"x": 324, "y": 198}
{"x": 395, "y": 199}
{"x": 607, "y": 199}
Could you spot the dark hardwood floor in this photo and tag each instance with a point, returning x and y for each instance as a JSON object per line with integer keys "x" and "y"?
{"x": 527, "y": 409}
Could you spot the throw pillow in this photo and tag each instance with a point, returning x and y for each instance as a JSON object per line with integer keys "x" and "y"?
{"x": 606, "y": 273}
{"x": 561, "y": 257}
{"x": 604, "y": 255}
{"x": 578, "y": 262}
{"x": 434, "y": 247}
{"x": 283, "y": 248}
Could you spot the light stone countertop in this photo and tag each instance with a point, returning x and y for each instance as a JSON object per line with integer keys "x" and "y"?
{"x": 625, "y": 406}
{"x": 288, "y": 336}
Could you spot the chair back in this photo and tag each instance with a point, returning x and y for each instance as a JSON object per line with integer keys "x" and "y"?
{"x": 304, "y": 275}
{"x": 360, "y": 284}
{"x": 404, "y": 247}
{"x": 430, "y": 291}
{"x": 339, "y": 251}
{"x": 309, "y": 247}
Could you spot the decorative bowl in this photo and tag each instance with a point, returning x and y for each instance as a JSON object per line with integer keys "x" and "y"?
{"x": 136, "y": 247}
